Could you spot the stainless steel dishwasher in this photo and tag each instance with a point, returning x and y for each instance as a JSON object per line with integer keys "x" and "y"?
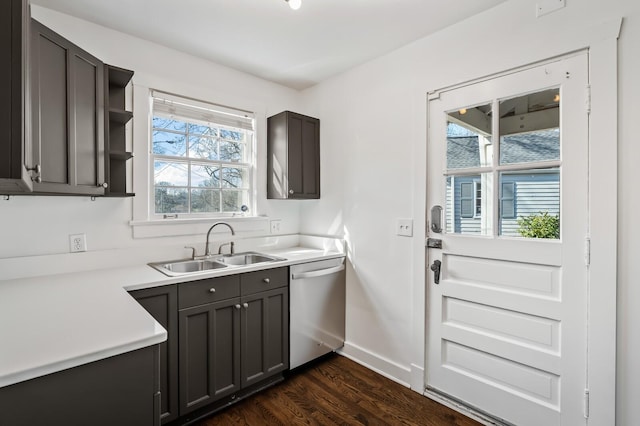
{"x": 316, "y": 306}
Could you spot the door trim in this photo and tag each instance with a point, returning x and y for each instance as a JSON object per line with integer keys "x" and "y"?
{"x": 602, "y": 272}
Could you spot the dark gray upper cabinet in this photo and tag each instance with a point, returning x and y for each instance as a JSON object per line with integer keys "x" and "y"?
{"x": 14, "y": 99}
{"x": 293, "y": 156}
{"x": 162, "y": 304}
{"x": 67, "y": 98}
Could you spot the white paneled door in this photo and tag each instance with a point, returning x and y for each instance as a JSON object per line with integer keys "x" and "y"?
{"x": 507, "y": 290}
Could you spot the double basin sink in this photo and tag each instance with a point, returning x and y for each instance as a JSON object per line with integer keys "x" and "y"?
{"x": 191, "y": 266}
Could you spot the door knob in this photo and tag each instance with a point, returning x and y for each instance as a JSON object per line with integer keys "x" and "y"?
{"x": 435, "y": 267}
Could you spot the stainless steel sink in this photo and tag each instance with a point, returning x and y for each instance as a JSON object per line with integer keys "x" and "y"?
{"x": 176, "y": 268}
{"x": 246, "y": 258}
{"x": 182, "y": 267}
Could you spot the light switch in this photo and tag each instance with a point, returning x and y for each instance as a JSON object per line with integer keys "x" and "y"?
{"x": 404, "y": 227}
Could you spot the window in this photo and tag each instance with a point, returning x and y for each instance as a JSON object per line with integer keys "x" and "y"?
{"x": 467, "y": 199}
{"x": 202, "y": 157}
{"x": 507, "y": 200}
{"x": 471, "y": 199}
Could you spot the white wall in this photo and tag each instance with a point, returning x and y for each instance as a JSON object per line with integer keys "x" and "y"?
{"x": 373, "y": 160}
{"x": 41, "y": 225}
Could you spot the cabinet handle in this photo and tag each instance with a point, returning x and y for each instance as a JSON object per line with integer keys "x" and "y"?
{"x": 103, "y": 185}
{"x": 266, "y": 280}
{"x": 245, "y": 305}
{"x": 291, "y": 191}
{"x": 237, "y": 306}
{"x": 212, "y": 290}
{"x": 37, "y": 168}
{"x": 38, "y": 171}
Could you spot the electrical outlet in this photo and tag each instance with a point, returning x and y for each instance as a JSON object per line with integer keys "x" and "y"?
{"x": 275, "y": 226}
{"x": 404, "y": 227}
{"x": 77, "y": 243}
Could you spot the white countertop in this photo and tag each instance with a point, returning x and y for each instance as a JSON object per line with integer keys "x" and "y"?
{"x": 50, "y": 323}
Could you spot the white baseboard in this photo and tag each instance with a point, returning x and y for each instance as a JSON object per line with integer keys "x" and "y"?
{"x": 417, "y": 378}
{"x": 380, "y": 365}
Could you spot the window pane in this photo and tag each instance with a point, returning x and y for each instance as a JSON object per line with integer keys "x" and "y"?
{"x": 529, "y": 128}
{"x": 530, "y": 204}
{"x": 203, "y": 147}
{"x": 204, "y": 175}
{"x": 234, "y": 177}
{"x": 162, "y": 123}
{"x": 198, "y": 129}
{"x": 166, "y": 143}
{"x": 231, "y": 151}
{"x": 171, "y": 200}
{"x": 469, "y": 205}
{"x": 469, "y": 137}
{"x": 170, "y": 174}
{"x": 205, "y": 200}
{"x": 231, "y": 201}
{"x": 201, "y": 165}
{"x": 232, "y": 135}
{"x": 541, "y": 145}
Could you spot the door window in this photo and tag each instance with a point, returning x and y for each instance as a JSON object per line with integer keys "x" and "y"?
{"x": 503, "y": 167}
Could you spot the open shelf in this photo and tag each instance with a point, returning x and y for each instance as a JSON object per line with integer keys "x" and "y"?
{"x": 117, "y": 117}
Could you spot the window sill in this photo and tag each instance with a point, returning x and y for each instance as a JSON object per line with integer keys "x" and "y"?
{"x": 197, "y": 226}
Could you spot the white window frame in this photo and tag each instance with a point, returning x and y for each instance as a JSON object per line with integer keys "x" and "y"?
{"x": 254, "y": 222}
{"x": 214, "y": 115}
{"x": 477, "y": 201}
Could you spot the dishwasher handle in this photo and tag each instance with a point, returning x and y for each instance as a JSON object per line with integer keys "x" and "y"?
{"x": 317, "y": 273}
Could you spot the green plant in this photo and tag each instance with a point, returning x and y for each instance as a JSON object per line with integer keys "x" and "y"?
{"x": 540, "y": 225}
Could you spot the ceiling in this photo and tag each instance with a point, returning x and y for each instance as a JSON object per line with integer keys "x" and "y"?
{"x": 267, "y": 39}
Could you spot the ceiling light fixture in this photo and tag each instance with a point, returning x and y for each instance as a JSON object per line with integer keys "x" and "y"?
{"x": 294, "y": 4}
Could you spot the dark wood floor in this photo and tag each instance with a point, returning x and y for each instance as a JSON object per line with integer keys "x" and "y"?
{"x": 338, "y": 391}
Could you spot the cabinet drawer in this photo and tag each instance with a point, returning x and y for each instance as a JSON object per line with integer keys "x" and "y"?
{"x": 253, "y": 282}
{"x": 207, "y": 291}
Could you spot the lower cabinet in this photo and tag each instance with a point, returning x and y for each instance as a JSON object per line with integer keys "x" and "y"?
{"x": 226, "y": 337}
{"x": 162, "y": 304}
{"x": 121, "y": 390}
{"x": 231, "y": 344}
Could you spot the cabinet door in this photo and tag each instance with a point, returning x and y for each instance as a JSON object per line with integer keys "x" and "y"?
{"x": 67, "y": 86}
{"x": 14, "y": 112}
{"x": 304, "y": 156}
{"x": 209, "y": 353}
{"x": 162, "y": 304}
{"x": 293, "y": 156}
{"x": 265, "y": 335}
{"x": 119, "y": 390}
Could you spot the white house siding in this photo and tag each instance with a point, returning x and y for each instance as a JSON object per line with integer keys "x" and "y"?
{"x": 534, "y": 193}
{"x": 455, "y": 222}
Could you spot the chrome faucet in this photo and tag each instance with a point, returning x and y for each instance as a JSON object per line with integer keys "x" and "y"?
{"x": 206, "y": 247}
